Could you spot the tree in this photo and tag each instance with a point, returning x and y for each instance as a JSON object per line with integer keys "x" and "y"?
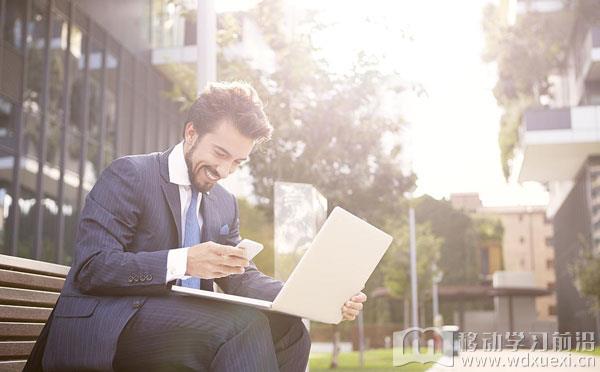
{"x": 458, "y": 255}
{"x": 396, "y": 263}
{"x": 328, "y": 127}
{"x": 586, "y": 271}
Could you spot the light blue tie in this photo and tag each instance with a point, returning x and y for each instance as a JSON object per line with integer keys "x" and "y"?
{"x": 192, "y": 235}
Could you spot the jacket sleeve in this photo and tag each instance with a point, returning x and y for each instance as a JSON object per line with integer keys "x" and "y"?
{"x": 252, "y": 283}
{"x": 106, "y": 228}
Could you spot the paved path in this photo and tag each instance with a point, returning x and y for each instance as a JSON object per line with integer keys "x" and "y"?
{"x": 521, "y": 360}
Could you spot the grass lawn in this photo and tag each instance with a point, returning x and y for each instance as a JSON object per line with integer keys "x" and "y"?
{"x": 375, "y": 360}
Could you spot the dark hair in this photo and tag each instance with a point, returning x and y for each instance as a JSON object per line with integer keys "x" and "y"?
{"x": 236, "y": 102}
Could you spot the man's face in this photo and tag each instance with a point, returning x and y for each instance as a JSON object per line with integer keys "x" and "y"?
{"x": 215, "y": 155}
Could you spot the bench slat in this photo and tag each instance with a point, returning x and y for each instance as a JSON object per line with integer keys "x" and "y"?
{"x": 28, "y": 291}
{"x": 27, "y": 265}
{"x": 16, "y": 349}
{"x": 17, "y": 296}
{"x": 12, "y": 365}
{"x": 10, "y": 330}
{"x": 17, "y": 279}
{"x": 24, "y": 313}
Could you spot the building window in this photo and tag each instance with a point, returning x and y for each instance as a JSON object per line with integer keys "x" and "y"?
{"x": 552, "y": 310}
{"x": 14, "y": 22}
{"x": 7, "y": 122}
{"x": 95, "y": 108}
{"x": 522, "y": 240}
{"x": 549, "y": 242}
{"x": 550, "y": 264}
{"x": 110, "y": 105}
{"x": 551, "y": 286}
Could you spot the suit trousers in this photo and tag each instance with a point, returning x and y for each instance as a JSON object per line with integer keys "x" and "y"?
{"x": 178, "y": 333}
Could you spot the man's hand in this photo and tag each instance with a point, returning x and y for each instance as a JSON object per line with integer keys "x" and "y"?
{"x": 211, "y": 260}
{"x": 353, "y": 306}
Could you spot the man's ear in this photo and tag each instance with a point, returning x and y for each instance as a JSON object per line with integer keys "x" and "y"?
{"x": 190, "y": 133}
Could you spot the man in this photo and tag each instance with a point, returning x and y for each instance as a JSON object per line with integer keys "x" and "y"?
{"x": 116, "y": 310}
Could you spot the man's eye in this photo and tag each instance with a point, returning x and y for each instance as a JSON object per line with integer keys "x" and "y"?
{"x": 220, "y": 154}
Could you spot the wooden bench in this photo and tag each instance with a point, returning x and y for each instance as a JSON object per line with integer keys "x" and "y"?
{"x": 28, "y": 292}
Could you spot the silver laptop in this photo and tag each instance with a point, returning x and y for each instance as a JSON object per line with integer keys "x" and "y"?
{"x": 335, "y": 267}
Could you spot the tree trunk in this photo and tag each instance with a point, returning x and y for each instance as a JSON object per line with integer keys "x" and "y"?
{"x": 336, "y": 347}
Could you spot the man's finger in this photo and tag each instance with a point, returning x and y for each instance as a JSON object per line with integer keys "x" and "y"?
{"x": 234, "y": 261}
{"x": 352, "y": 312}
{"x": 349, "y": 311}
{"x": 361, "y": 297}
{"x": 226, "y": 250}
{"x": 354, "y": 305}
{"x": 226, "y": 261}
{"x": 348, "y": 317}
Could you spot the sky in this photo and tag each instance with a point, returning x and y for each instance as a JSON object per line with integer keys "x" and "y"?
{"x": 451, "y": 140}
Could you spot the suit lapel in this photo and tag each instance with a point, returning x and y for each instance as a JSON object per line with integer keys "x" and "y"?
{"x": 171, "y": 193}
{"x": 209, "y": 220}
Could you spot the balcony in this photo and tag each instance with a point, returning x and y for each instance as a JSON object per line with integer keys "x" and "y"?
{"x": 556, "y": 142}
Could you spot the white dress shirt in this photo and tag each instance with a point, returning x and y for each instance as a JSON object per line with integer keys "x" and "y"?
{"x": 178, "y": 174}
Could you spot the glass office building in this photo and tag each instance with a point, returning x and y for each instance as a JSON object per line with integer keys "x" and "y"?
{"x": 76, "y": 91}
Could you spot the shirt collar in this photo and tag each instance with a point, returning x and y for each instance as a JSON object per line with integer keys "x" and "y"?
{"x": 178, "y": 170}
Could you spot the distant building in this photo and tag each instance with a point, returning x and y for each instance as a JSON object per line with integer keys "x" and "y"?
{"x": 526, "y": 245}
{"x": 468, "y": 201}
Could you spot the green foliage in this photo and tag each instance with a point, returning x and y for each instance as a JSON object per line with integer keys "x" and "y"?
{"x": 396, "y": 262}
{"x": 184, "y": 90}
{"x": 489, "y": 229}
{"x": 538, "y": 41}
{"x": 587, "y": 275}
{"x": 458, "y": 259}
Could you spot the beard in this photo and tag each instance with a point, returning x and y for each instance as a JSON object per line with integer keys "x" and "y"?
{"x": 197, "y": 169}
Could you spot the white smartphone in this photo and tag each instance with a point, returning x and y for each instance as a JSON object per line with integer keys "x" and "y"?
{"x": 251, "y": 247}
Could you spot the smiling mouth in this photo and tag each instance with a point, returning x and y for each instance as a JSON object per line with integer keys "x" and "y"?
{"x": 213, "y": 176}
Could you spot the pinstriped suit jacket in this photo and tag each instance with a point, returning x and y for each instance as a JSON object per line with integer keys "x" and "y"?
{"x": 130, "y": 220}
